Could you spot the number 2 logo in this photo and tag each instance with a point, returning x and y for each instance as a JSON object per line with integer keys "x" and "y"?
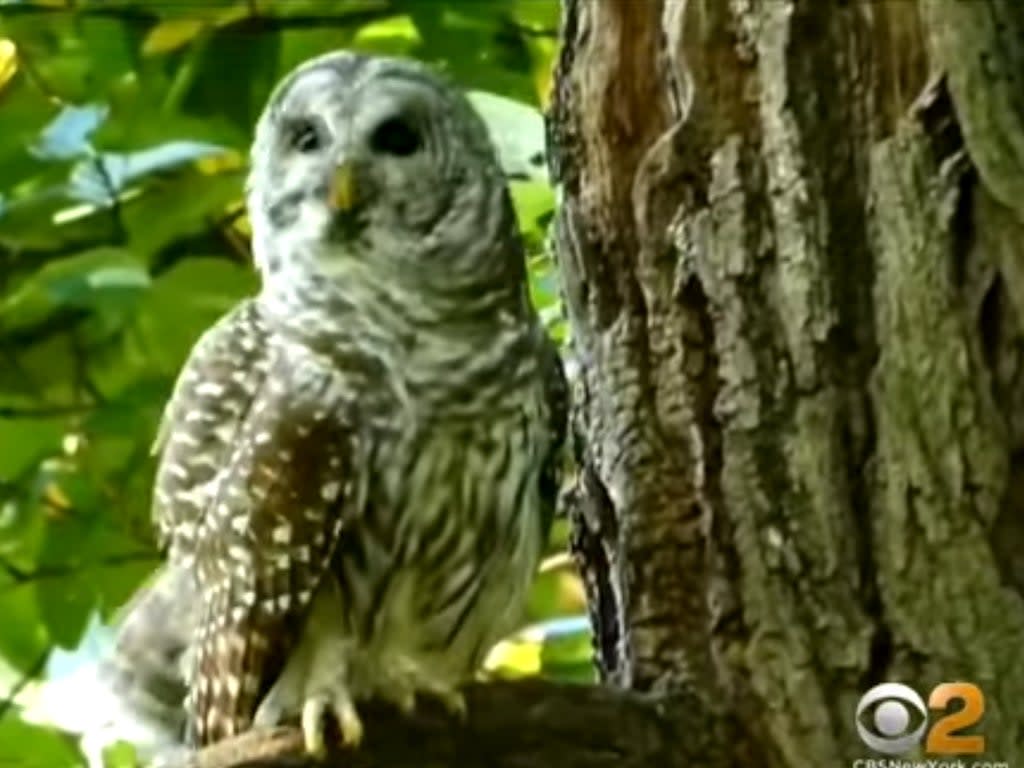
{"x": 893, "y": 708}
{"x": 943, "y": 738}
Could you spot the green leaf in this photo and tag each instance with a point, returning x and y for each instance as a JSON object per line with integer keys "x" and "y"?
{"x": 76, "y": 57}
{"x": 475, "y": 44}
{"x": 106, "y": 277}
{"x": 120, "y": 755}
{"x": 183, "y": 303}
{"x": 534, "y": 201}
{"x": 89, "y": 564}
{"x": 30, "y": 746}
{"x": 41, "y": 374}
{"x": 342, "y": 10}
{"x": 560, "y": 648}
{"x": 391, "y": 36}
{"x": 567, "y": 649}
{"x": 239, "y": 99}
{"x": 177, "y": 208}
{"x": 24, "y": 441}
{"x": 23, "y": 639}
{"x": 65, "y": 605}
{"x": 538, "y": 15}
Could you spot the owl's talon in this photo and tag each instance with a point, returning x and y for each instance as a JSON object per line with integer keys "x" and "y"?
{"x": 349, "y": 723}
{"x": 313, "y": 722}
{"x": 409, "y": 678}
{"x": 454, "y": 703}
{"x": 313, "y": 712}
{"x": 406, "y": 702}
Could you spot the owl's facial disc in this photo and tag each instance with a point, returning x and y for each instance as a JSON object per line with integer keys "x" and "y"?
{"x": 368, "y": 164}
{"x": 375, "y": 164}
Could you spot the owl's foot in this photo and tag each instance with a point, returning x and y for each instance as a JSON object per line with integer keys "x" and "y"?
{"x": 336, "y": 702}
{"x": 404, "y": 678}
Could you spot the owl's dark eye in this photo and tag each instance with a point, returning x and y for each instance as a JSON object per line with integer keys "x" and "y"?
{"x": 395, "y": 137}
{"x": 304, "y": 136}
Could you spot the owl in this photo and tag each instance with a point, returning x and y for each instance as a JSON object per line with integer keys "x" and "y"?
{"x": 357, "y": 464}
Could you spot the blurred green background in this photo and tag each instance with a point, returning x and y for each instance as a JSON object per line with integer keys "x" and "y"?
{"x": 124, "y": 128}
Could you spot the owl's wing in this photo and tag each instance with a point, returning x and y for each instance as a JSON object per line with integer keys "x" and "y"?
{"x": 201, "y": 422}
{"x": 267, "y": 536}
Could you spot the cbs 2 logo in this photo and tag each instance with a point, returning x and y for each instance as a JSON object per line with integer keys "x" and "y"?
{"x": 891, "y": 718}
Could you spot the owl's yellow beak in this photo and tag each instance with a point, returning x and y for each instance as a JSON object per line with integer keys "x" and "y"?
{"x": 342, "y": 194}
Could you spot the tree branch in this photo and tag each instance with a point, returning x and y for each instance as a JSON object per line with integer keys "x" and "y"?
{"x": 509, "y": 725}
{"x": 268, "y": 22}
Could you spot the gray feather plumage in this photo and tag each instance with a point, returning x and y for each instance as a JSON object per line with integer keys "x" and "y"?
{"x": 357, "y": 465}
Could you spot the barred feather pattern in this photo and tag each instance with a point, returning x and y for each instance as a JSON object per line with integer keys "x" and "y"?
{"x": 202, "y": 421}
{"x": 271, "y": 517}
{"x": 435, "y": 567}
{"x": 359, "y": 463}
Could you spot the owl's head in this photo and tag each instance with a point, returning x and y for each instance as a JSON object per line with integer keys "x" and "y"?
{"x": 375, "y": 169}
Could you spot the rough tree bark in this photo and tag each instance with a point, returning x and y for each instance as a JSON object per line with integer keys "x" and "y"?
{"x": 791, "y": 241}
{"x": 791, "y": 238}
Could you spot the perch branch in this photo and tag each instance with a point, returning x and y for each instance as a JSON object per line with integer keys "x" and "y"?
{"x": 508, "y": 725}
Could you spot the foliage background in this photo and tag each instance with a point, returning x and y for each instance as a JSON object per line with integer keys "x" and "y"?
{"x": 124, "y": 129}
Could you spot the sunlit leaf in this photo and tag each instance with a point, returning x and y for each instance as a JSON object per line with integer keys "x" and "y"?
{"x": 171, "y": 34}
{"x": 120, "y": 755}
{"x": 220, "y": 162}
{"x": 8, "y": 61}
{"x": 539, "y": 16}
{"x": 396, "y": 36}
{"x": 558, "y": 647}
{"x": 514, "y": 658}
{"x": 533, "y": 200}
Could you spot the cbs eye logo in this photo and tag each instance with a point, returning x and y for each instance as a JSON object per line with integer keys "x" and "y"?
{"x": 893, "y": 708}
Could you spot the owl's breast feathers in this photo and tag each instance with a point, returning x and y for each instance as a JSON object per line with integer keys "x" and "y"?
{"x": 458, "y": 513}
{"x": 271, "y": 478}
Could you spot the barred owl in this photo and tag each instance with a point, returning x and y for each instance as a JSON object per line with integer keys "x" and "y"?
{"x": 357, "y": 464}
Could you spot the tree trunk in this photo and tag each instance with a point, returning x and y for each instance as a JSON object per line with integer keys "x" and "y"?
{"x": 791, "y": 244}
